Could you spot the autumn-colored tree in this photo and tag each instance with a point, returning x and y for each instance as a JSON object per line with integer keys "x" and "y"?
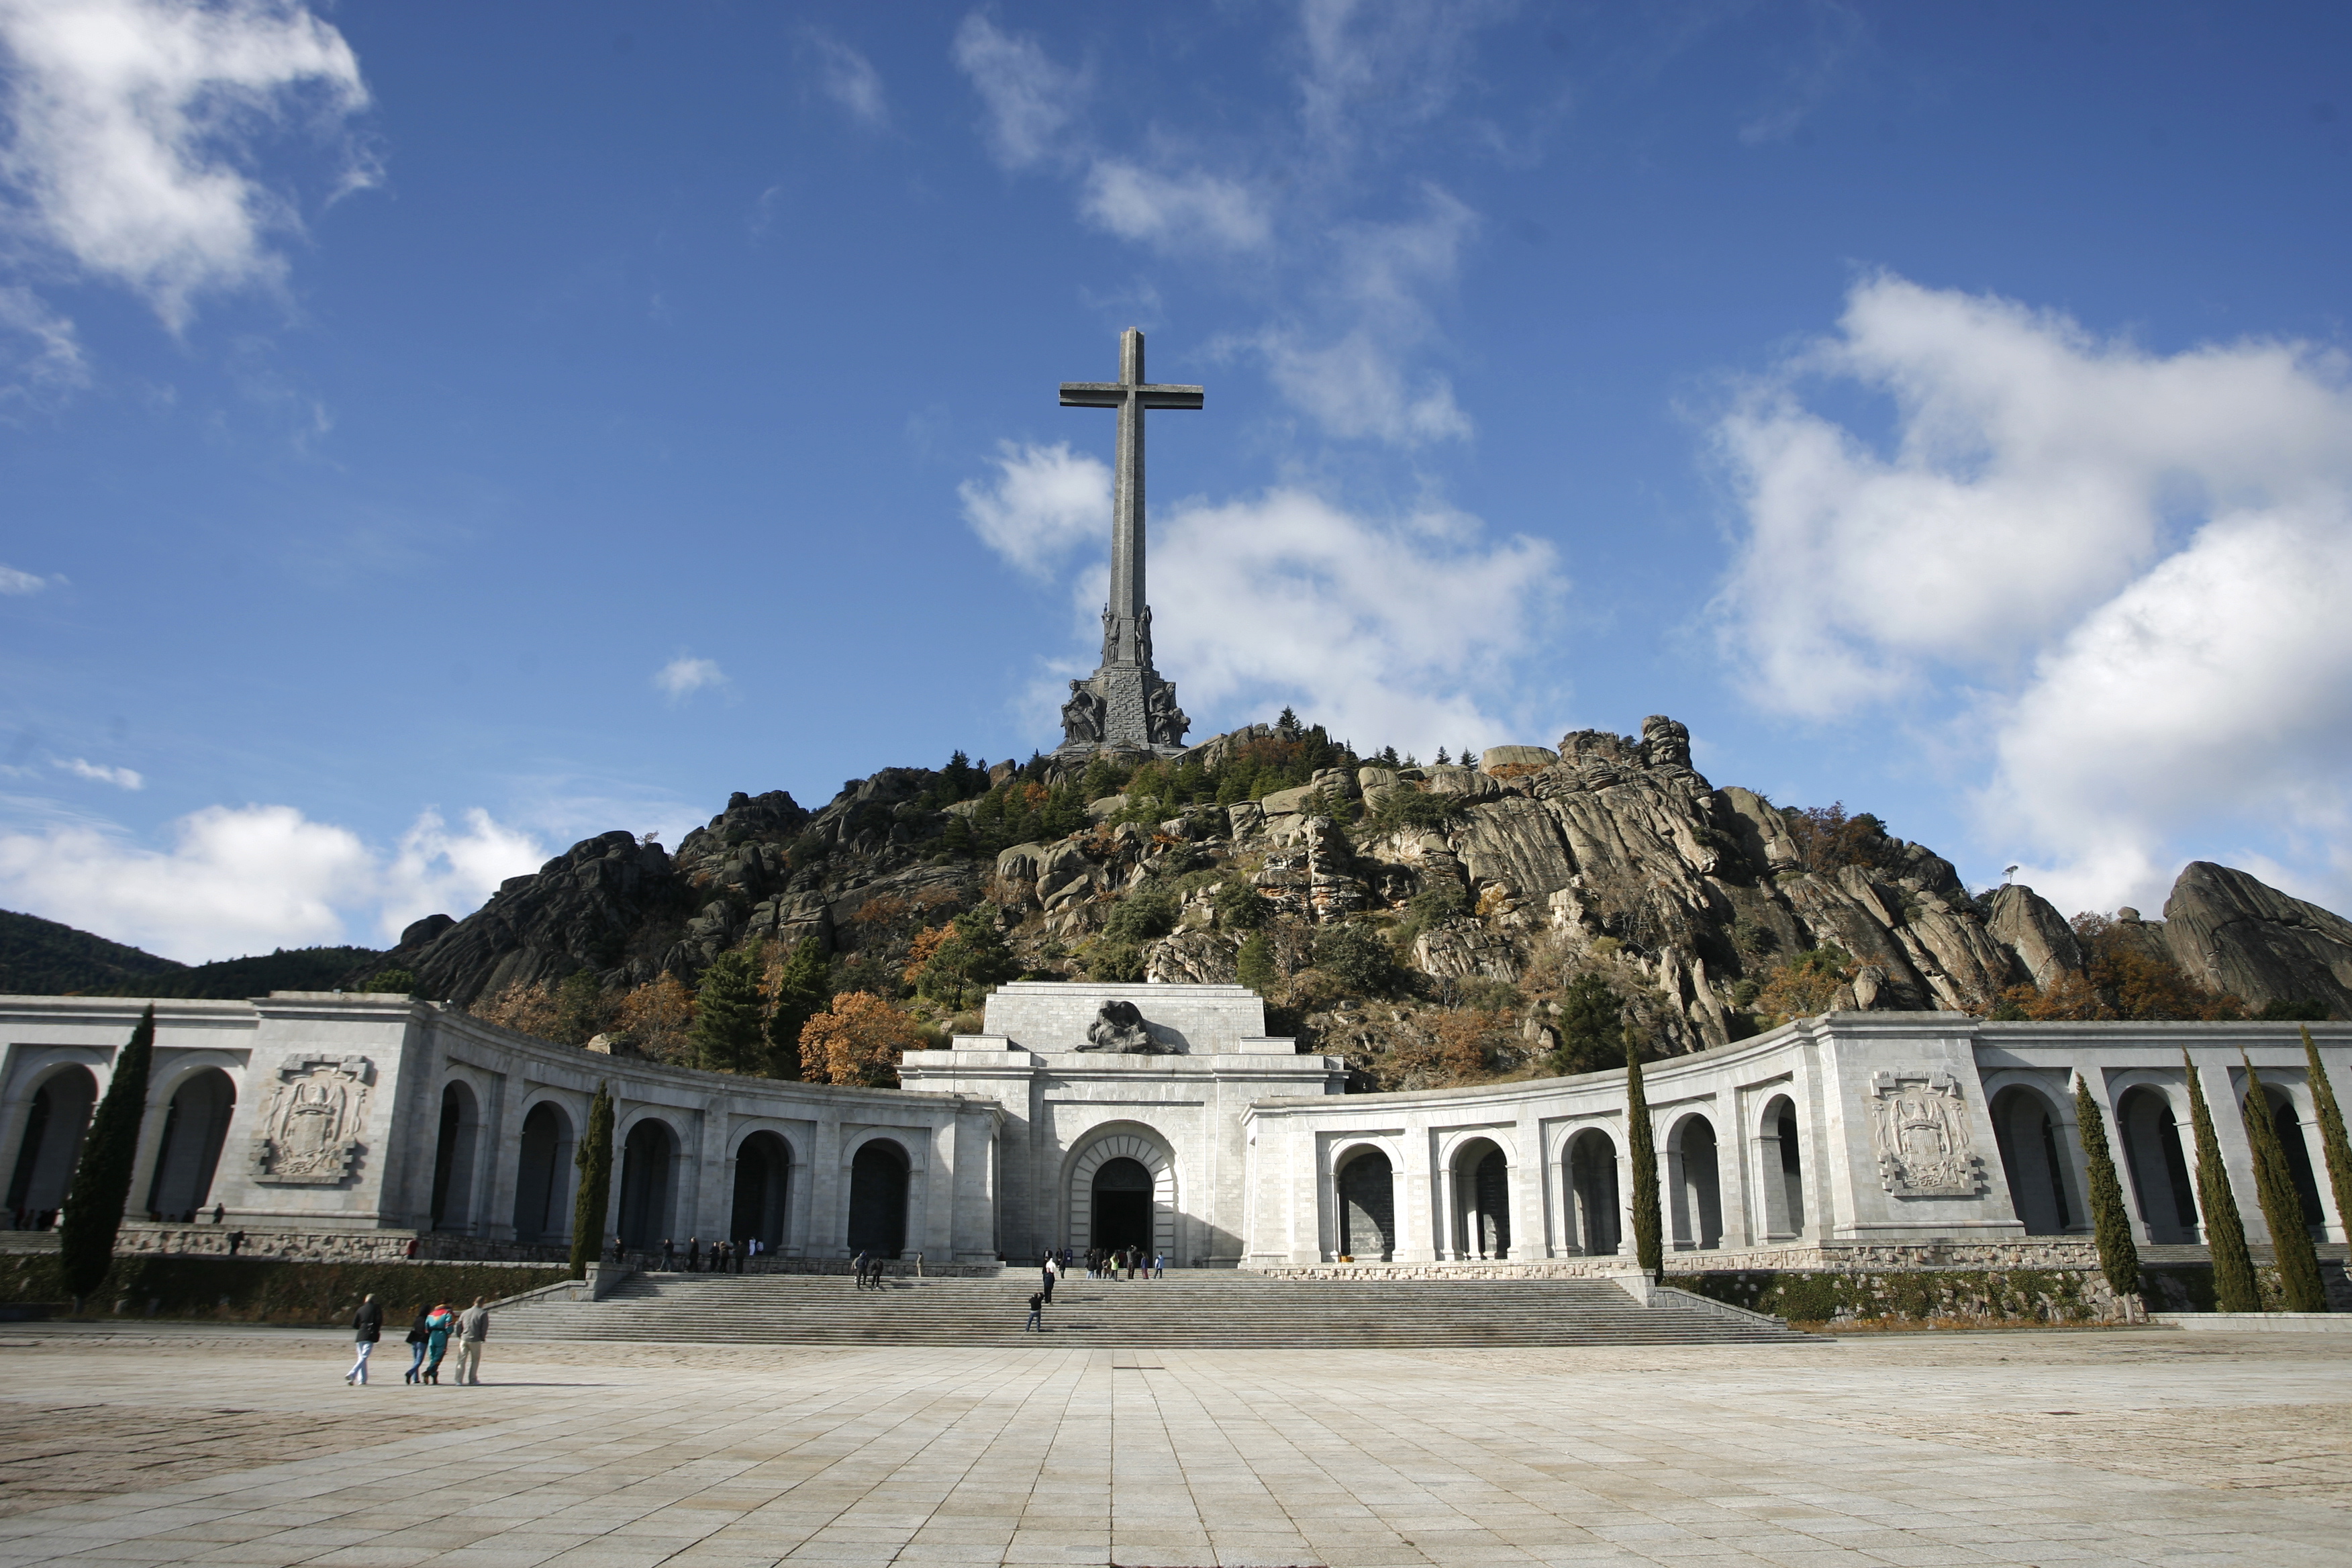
{"x": 2332, "y": 1140}
{"x": 927, "y": 941}
{"x": 859, "y": 1040}
{"x": 2234, "y": 1289}
{"x": 2298, "y": 1260}
{"x": 1827, "y": 839}
{"x": 1805, "y": 985}
{"x": 660, "y": 1014}
{"x": 2122, "y": 978}
{"x": 528, "y": 1009}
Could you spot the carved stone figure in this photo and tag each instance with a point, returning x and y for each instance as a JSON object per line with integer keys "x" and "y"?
{"x": 308, "y": 1129}
{"x": 1110, "y": 636}
{"x": 1143, "y": 637}
{"x": 1163, "y": 720}
{"x": 1120, "y": 1026}
{"x": 1920, "y": 1129}
{"x": 1082, "y": 716}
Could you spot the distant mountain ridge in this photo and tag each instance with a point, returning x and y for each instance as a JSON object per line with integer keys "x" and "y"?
{"x": 41, "y": 957}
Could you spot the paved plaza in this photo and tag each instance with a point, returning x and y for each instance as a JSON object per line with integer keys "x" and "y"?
{"x": 245, "y": 1447}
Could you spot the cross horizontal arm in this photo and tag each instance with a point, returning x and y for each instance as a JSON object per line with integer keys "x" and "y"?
{"x": 1112, "y": 393}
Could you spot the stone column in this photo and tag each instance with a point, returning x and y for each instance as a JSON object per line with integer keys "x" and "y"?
{"x": 488, "y": 1217}
{"x": 1450, "y": 1238}
{"x": 1530, "y": 1235}
{"x": 714, "y": 1188}
{"x": 828, "y": 1212}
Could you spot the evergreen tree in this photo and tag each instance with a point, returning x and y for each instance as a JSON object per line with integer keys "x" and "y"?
{"x": 1649, "y": 1247}
{"x": 1253, "y": 965}
{"x": 801, "y": 992}
{"x": 594, "y": 1160}
{"x": 2298, "y": 1261}
{"x": 726, "y": 1032}
{"x": 1591, "y": 1016}
{"x": 2118, "y": 1254}
{"x": 102, "y": 1179}
{"x": 2234, "y": 1289}
{"x": 972, "y": 957}
{"x": 2331, "y": 1131}
{"x": 579, "y": 1007}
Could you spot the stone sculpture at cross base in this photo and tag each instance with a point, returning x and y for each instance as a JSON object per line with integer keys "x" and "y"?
{"x": 1126, "y": 705}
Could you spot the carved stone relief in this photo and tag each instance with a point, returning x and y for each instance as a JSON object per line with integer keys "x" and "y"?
{"x": 1120, "y": 1026}
{"x": 1919, "y": 1128}
{"x": 309, "y": 1131}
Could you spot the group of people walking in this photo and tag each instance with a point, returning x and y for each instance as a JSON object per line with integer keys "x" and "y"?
{"x": 429, "y": 1340}
{"x": 724, "y": 1255}
{"x": 1102, "y": 1263}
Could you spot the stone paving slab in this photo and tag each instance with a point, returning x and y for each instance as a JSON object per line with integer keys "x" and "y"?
{"x": 1920, "y": 1451}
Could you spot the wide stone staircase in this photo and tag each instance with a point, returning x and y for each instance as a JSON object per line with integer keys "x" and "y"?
{"x": 1188, "y": 1307}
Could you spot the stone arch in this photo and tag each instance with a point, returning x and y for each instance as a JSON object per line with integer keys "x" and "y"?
{"x": 1142, "y": 1145}
{"x": 650, "y": 1152}
{"x": 1481, "y": 1221}
{"x": 880, "y": 1173}
{"x": 1780, "y": 1169}
{"x": 453, "y": 1157}
{"x": 1593, "y": 1204}
{"x": 188, "y": 1155}
{"x": 763, "y": 1165}
{"x": 2158, "y": 1159}
{"x": 56, "y": 1119}
{"x": 2294, "y": 1140}
{"x": 1695, "y": 1182}
{"x": 1363, "y": 1189}
{"x": 2030, "y": 1132}
{"x": 545, "y": 1175}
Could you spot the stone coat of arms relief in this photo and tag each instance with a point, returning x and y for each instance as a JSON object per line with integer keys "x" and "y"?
{"x": 308, "y": 1129}
{"x": 1919, "y": 1129}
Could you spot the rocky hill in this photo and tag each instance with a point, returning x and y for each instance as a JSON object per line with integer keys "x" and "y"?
{"x": 1435, "y": 923}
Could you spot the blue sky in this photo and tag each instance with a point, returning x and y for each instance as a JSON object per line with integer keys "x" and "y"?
{"x": 435, "y": 433}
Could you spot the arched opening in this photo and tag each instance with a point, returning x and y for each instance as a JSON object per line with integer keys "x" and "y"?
{"x": 194, "y": 1127}
{"x": 1482, "y": 1201}
{"x": 2026, "y": 1130}
{"x": 1121, "y": 1212}
{"x": 54, "y": 1126}
{"x": 452, "y": 1159}
{"x": 648, "y": 1159}
{"x": 877, "y": 1199}
{"x": 542, "y": 1176}
{"x": 2297, "y": 1146}
{"x": 763, "y": 1164}
{"x": 1367, "y": 1192}
{"x": 1779, "y": 1170}
{"x": 1793, "y": 1167}
{"x": 1696, "y": 1184}
{"x": 2159, "y": 1166}
{"x": 1593, "y": 1200}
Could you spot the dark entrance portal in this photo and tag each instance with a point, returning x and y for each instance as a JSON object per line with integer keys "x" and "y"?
{"x": 877, "y": 1199}
{"x": 1122, "y": 1205}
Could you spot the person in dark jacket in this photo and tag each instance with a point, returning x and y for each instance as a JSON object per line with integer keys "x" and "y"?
{"x": 419, "y": 1331}
{"x": 367, "y": 1328}
{"x": 1036, "y": 1312}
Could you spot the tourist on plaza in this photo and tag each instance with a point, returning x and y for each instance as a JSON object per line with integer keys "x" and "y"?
{"x": 1036, "y": 1312}
{"x": 1049, "y": 1279}
{"x": 1134, "y": 1255}
{"x": 420, "y": 1330}
{"x": 669, "y": 1255}
{"x": 857, "y": 1270}
{"x": 367, "y": 1328}
{"x": 473, "y": 1327}
{"x": 438, "y": 1324}
{"x": 1160, "y": 1266}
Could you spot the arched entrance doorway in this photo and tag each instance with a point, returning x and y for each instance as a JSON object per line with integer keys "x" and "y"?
{"x": 542, "y": 1174}
{"x": 1122, "y": 1205}
{"x": 877, "y": 1199}
{"x": 189, "y": 1152}
{"x": 54, "y": 1126}
{"x": 763, "y": 1163}
{"x": 2159, "y": 1166}
{"x": 2297, "y": 1149}
{"x": 1783, "y": 1172}
{"x": 648, "y": 1158}
{"x": 1367, "y": 1192}
{"x": 1482, "y": 1201}
{"x": 1696, "y": 1184}
{"x": 452, "y": 1159}
{"x": 2032, "y": 1152}
{"x": 1592, "y": 1199}
{"x": 1143, "y": 1149}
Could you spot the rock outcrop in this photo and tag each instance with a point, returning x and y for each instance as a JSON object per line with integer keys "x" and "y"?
{"x": 2235, "y": 933}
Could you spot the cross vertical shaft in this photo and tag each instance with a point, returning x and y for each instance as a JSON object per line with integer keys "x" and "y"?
{"x": 1126, "y": 587}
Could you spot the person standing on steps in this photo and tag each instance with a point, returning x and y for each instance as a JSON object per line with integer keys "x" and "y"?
{"x": 1160, "y": 1266}
{"x": 857, "y": 1271}
{"x": 1049, "y": 1279}
{"x": 472, "y": 1329}
{"x": 1036, "y": 1312}
{"x": 419, "y": 1331}
{"x": 669, "y": 1256}
{"x": 367, "y": 1328}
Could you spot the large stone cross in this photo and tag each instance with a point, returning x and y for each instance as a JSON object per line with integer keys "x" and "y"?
{"x": 1127, "y": 637}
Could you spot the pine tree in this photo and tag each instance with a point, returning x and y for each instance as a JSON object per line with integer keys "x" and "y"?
{"x": 2234, "y": 1289}
{"x": 2298, "y": 1261}
{"x": 594, "y": 1160}
{"x": 1649, "y": 1247}
{"x": 801, "y": 992}
{"x": 102, "y": 1179}
{"x": 1253, "y": 965}
{"x": 2338, "y": 1148}
{"x": 2118, "y": 1254}
{"x": 726, "y": 1031}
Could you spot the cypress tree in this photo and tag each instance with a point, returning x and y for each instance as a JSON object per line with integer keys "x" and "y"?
{"x": 2298, "y": 1261}
{"x": 1649, "y": 1250}
{"x": 2234, "y": 1289}
{"x": 2331, "y": 1131}
{"x": 801, "y": 992}
{"x": 594, "y": 1160}
{"x": 102, "y": 1179}
{"x": 2118, "y": 1255}
{"x": 726, "y": 1031}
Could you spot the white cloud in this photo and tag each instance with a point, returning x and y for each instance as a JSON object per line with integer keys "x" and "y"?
{"x": 435, "y": 871}
{"x": 1028, "y": 99}
{"x": 1043, "y": 501}
{"x": 1136, "y": 204}
{"x": 850, "y": 79}
{"x": 684, "y": 676}
{"x": 99, "y": 772}
{"x": 1388, "y": 630}
{"x": 2126, "y": 568}
{"x": 43, "y": 357}
{"x": 135, "y": 122}
{"x": 1357, "y": 387}
{"x": 20, "y": 583}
